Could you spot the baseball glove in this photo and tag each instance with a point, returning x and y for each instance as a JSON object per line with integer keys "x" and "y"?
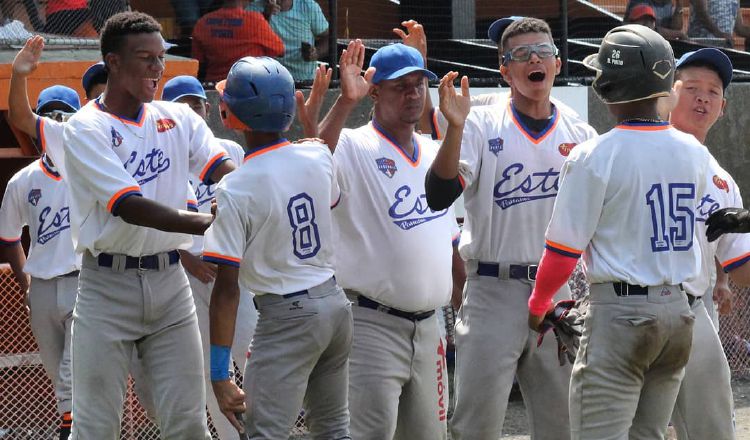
{"x": 727, "y": 220}
{"x": 565, "y": 320}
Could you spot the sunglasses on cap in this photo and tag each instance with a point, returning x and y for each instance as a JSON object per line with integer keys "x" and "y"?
{"x": 523, "y": 52}
{"x": 58, "y": 115}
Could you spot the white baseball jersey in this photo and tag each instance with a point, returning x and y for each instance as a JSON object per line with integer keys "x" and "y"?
{"x": 273, "y": 218}
{"x": 440, "y": 124}
{"x": 36, "y": 196}
{"x": 732, "y": 250}
{"x": 108, "y": 158}
{"x": 510, "y": 178}
{"x": 390, "y": 246}
{"x": 203, "y": 193}
{"x": 628, "y": 198}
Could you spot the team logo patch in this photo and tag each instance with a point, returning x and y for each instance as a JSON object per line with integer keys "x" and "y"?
{"x": 163, "y": 125}
{"x": 116, "y": 137}
{"x": 34, "y": 196}
{"x": 386, "y": 166}
{"x": 566, "y": 148}
{"x": 721, "y": 183}
{"x": 496, "y": 145}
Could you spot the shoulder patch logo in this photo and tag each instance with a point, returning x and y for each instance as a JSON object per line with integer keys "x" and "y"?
{"x": 116, "y": 137}
{"x": 496, "y": 145}
{"x": 163, "y": 125}
{"x": 386, "y": 166}
{"x": 34, "y": 196}
{"x": 566, "y": 148}
{"x": 721, "y": 183}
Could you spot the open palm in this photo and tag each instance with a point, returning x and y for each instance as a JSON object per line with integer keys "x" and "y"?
{"x": 454, "y": 106}
{"x": 27, "y": 59}
{"x": 354, "y": 86}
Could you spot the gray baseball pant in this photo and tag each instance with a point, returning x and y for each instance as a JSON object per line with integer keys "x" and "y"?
{"x": 493, "y": 345}
{"x": 149, "y": 310}
{"x": 398, "y": 382}
{"x": 630, "y": 363}
{"x": 51, "y": 303}
{"x": 705, "y": 406}
{"x": 298, "y": 358}
{"x": 708, "y": 301}
{"x": 244, "y": 328}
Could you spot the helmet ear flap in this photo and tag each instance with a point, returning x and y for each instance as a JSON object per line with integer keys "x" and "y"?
{"x": 229, "y": 119}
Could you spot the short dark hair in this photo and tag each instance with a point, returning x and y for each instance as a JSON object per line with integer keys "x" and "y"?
{"x": 526, "y": 25}
{"x": 703, "y": 64}
{"x": 99, "y": 78}
{"x": 123, "y": 24}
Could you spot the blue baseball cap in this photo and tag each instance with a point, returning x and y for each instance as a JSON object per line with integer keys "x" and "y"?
{"x": 496, "y": 29}
{"x": 711, "y": 56}
{"x": 91, "y": 72}
{"x": 62, "y": 94}
{"x": 180, "y": 86}
{"x": 396, "y": 60}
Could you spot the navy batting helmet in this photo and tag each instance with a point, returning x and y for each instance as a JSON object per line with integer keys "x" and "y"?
{"x": 633, "y": 63}
{"x": 259, "y": 93}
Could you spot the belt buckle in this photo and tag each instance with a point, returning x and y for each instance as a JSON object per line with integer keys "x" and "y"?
{"x": 531, "y": 272}
{"x": 140, "y": 263}
{"x": 383, "y": 309}
{"x": 626, "y": 289}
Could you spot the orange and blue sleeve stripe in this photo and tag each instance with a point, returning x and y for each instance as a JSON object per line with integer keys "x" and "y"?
{"x": 213, "y": 257}
{"x": 215, "y": 161}
{"x": 436, "y": 135}
{"x": 40, "y": 133}
{"x": 562, "y": 250}
{"x": 4, "y": 241}
{"x": 192, "y": 205}
{"x": 734, "y": 263}
{"x": 456, "y": 239}
{"x": 121, "y": 195}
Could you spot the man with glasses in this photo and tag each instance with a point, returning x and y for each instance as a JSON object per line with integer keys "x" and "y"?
{"x": 506, "y": 158}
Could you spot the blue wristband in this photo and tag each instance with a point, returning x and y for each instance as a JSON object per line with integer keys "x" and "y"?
{"x": 220, "y": 362}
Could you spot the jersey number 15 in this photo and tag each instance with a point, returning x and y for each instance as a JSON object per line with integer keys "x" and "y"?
{"x": 673, "y": 223}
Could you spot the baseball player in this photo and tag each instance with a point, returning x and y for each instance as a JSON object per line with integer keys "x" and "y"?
{"x": 188, "y": 90}
{"x": 36, "y": 196}
{"x": 272, "y": 234}
{"x": 94, "y": 80}
{"x": 398, "y": 379}
{"x": 628, "y": 199}
{"x": 704, "y": 407}
{"x": 123, "y": 157}
{"x": 505, "y": 159}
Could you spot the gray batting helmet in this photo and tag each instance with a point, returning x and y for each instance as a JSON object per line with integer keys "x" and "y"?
{"x": 633, "y": 63}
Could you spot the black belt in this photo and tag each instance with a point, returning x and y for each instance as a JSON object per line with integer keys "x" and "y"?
{"x": 366, "y": 302}
{"x": 691, "y": 299}
{"x": 150, "y": 262}
{"x": 625, "y": 289}
{"x": 515, "y": 271}
{"x": 304, "y": 292}
{"x": 70, "y": 274}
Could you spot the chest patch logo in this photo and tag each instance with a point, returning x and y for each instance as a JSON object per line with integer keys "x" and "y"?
{"x": 566, "y": 148}
{"x": 116, "y": 137}
{"x": 163, "y": 125}
{"x": 496, "y": 145}
{"x": 34, "y": 196}
{"x": 386, "y": 166}
{"x": 721, "y": 183}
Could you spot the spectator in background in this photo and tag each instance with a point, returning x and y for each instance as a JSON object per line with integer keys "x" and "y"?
{"x": 642, "y": 14}
{"x": 188, "y": 12}
{"x": 13, "y": 29}
{"x": 69, "y": 17}
{"x": 222, "y": 37}
{"x": 667, "y": 15}
{"x": 714, "y": 19}
{"x": 304, "y": 29}
{"x": 94, "y": 80}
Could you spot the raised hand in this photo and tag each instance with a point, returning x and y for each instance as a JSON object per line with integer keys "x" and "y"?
{"x": 454, "y": 106}
{"x": 726, "y": 221}
{"x": 27, "y": 59}
{"x": 308, "y": 112}
{"x": 354, "y": 86}
{"x": 414, "y": 36}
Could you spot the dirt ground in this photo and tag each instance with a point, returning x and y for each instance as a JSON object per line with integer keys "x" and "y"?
{"x": 516, "y": 427}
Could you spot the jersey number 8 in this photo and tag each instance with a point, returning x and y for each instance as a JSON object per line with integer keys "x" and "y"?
{"x": 305, "y": 237}
{"x": 674, "y": 232}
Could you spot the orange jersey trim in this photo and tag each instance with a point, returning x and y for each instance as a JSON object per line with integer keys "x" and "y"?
{"x": 138, "y": 123}
{"x": 413, "y": 163}
{"x": 520, "y": 127}
{"x": 220, "y": 257}
{"x": 561, "y": 247}
{"x": 644, "y": 127}
{"x": 48, "y": 173}
{"x": 119, "y": 194}
{"x": 729, "y": 263}
{"x": 263, "y": 150}
{"x": 210, "y": 165}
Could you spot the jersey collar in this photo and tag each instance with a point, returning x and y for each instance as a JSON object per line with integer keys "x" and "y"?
{"x": 257, "y": 151}
{"x": 535, "y": 138}
{"x": 138, "y": 121}
{"x": 643, "y": 125}
{"x": 414, "y": 159}
{"x": 49, "y": 169}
